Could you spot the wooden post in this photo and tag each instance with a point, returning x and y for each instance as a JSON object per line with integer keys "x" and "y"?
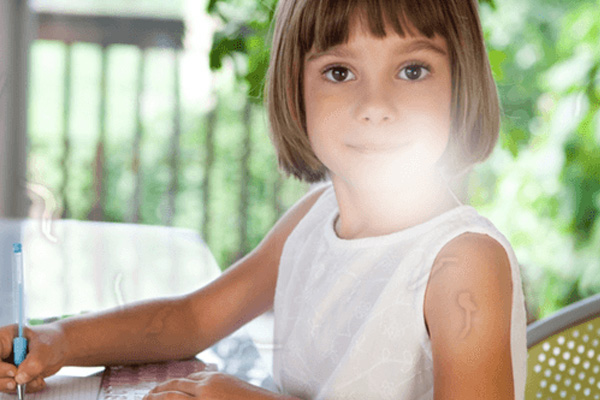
{"x": 245, "y": 181}
{"x": 64, "y": 162}
{"x": 15, "y": 37}
{"x": 97, "y": 212}
{"x": 175, "y": 145}
{"x": 139, "y": 131}
{"x": 211, "y": 121}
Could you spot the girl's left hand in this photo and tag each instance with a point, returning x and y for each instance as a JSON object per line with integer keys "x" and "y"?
{"x": 208, "y": 386}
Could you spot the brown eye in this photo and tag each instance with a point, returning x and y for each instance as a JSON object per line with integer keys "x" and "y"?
{"x": 338, "y": 73}
{"x": 415, "y": 71}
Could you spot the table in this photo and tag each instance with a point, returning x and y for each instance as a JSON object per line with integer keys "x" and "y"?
{"x": 77, "y": 266}
{"x": 74, "y": 266}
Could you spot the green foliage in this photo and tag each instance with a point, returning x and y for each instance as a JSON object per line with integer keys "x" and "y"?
{"x": 246, "y": 31}
{"x": 545, "y": 62}
{"x": 581, "y": 172}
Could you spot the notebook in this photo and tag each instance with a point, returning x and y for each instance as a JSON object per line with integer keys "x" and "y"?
{"x": 61, "y": 387}
{"x": 116, "y": 383}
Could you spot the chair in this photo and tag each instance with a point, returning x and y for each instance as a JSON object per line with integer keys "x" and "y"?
{"x": 563, "y": 356}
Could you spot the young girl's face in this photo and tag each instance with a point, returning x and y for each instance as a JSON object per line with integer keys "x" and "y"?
{"x": 379, "y": 109}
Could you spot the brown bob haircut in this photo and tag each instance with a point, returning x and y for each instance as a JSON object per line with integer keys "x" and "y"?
{"x": 302, "y": 24}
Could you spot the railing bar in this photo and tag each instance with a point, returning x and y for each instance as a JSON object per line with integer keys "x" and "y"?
{"x": 105, "y": 29}
{"x": 174, "y": 152}
{"x": 103, "y": 116}
{"x": 64, "y": 162}
{"x": 97, "y": 213}
{"x": 245, "y": 179}
{"x": 136, "y": 161}
{"x": 211, "y": 120}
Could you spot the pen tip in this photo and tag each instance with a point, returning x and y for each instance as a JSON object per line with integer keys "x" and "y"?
{"x": 21, "y": 391}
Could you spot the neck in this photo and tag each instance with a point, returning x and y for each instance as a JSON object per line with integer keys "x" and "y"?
{"x": 375, "y": 210}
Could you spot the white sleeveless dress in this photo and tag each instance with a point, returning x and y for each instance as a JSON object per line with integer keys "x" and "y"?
{"x": 348, "y": 314}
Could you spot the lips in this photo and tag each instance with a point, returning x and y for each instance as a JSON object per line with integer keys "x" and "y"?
{"x": 371, "y": 147}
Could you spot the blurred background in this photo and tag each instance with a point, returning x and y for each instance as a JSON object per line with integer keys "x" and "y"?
{"x": 150, "y": 112}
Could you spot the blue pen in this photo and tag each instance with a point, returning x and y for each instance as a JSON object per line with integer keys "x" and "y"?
{"x": 19, "y": 343}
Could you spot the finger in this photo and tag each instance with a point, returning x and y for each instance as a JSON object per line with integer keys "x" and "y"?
{"x": 7, "y": 334}
{"x": 7, "y": 370}
{"x": 198, "y": 376}
{"x": 168, "y": 396}
{"x": 36, "y": 385}
{"x": 7, "y": 385}
{"x": 29, "y": 369}
{"x": 183, "y": 385}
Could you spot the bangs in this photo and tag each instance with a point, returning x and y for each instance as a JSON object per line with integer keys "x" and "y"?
{"x": 327, "y": 23}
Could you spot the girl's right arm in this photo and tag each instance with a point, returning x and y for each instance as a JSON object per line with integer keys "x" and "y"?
{"x": 160, "y": 329}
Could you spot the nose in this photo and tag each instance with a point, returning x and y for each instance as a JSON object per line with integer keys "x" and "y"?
{"x": 376, "y": 103}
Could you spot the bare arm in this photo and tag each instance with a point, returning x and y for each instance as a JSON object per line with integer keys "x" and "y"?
{"x": 153, "y": 330}
{"x": 468, "y": 311}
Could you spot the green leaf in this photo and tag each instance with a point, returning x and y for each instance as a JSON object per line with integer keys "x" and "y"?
{"x": 491, "y": 3}
{"x": 222, "y": 47}
{"x": 497, "y": 58}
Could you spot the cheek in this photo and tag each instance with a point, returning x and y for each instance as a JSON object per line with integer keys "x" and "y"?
{"x": 323, "y": 115}
{"x": 429, "y": 126}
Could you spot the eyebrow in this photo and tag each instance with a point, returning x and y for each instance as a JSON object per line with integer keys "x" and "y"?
{"x": 413, "y": 46}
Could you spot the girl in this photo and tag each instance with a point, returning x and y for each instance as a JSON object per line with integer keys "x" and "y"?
{"x": 384, "y": 285}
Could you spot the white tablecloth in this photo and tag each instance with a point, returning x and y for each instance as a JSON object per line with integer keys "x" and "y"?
{"x": 74, "y": 266}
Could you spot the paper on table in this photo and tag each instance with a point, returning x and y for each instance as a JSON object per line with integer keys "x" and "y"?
{"x": 60, "y": 387}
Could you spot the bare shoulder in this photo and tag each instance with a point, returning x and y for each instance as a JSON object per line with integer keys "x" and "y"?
{"x": 467, "y": 309}
{"x": 475, "y": 259}
{"x": 273, "y": 242}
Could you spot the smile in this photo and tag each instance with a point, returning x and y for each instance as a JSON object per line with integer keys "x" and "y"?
{"x": 370, "y": 148}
